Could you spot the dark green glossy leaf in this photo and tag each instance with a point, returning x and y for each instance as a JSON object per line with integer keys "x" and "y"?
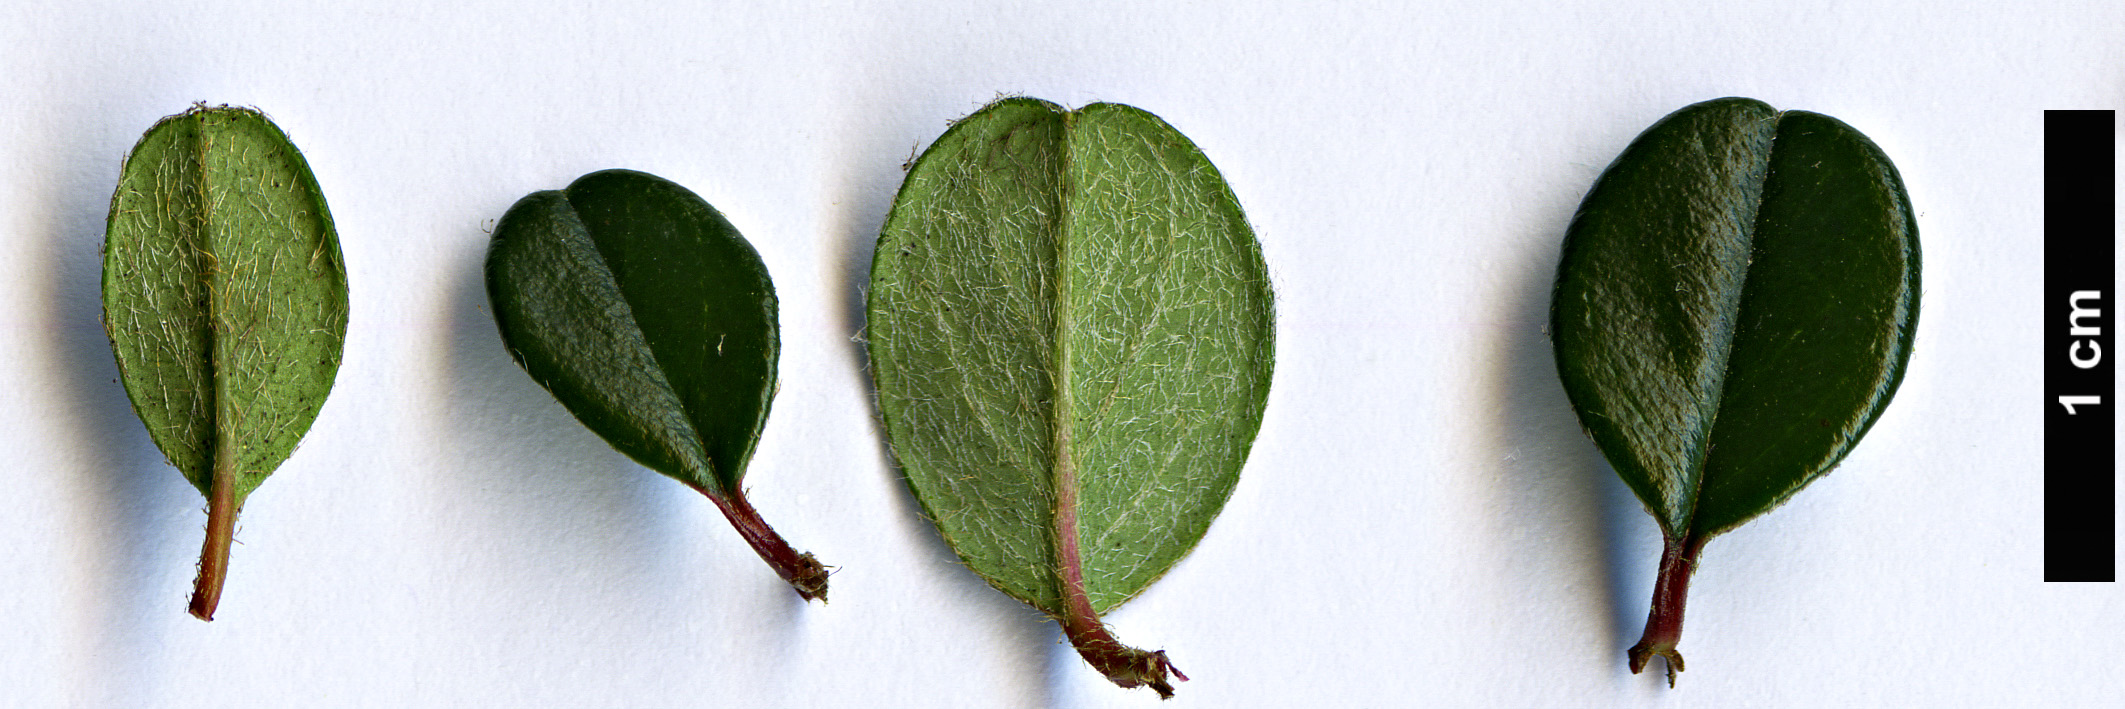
{"x": 1733, "y": 310}
{"x": 226, "y": 303}
{"x": 1071, "y": 330}
{"x": 653, "y": 321}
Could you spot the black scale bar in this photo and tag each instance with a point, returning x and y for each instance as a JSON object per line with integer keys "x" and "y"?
{"x": 2080, "y": 310}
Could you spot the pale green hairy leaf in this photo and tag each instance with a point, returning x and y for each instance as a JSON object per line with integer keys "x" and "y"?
{"x": 1069, "y": 304}
{"x": 224, "y": 294}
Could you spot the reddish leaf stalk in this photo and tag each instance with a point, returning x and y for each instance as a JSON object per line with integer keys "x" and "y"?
{"x": 221, "y": 532}
{"x": 801, "y": 570}
{"x": 1125, "y": 666}
{"x": 1663, "y": 626}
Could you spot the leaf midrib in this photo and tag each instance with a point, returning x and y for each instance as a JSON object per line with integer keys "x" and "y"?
{"x": 1068, "y": 545}
{"x": 223, "y": 455}
{"x": 1726, "y": 363}
{"x": 702, "y": 476}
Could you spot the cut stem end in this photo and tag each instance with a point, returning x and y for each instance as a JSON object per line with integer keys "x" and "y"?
{"x": 1643, "y": 654}
{"x": 1125, "y": 666}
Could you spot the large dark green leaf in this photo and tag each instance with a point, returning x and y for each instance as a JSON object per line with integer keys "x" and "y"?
{"x": 226, "y": 302}
{"x": 653, "y": 321}
{"x": 1734, "y": 309}
{"x": 1071, "y": 330}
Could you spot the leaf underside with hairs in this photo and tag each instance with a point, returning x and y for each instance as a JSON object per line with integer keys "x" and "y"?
{"x": 1071, "y": 330}
{"x": 652, "y": 321}
{"x": 1733, "y": 310}
{"x": 226, "y": 303}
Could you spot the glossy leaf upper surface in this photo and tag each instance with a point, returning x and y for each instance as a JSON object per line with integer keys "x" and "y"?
{"x": 1073, "y": 292}
{"x": 646, "y": 314}
{"x": 223, "y": 290}
{"x": 1735, "y": 306}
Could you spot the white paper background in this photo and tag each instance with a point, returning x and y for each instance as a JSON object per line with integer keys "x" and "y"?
{"x": 1421, "y": 524}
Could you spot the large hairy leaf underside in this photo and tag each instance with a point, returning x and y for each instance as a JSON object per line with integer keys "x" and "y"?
{"x": 1068, "y": 310}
